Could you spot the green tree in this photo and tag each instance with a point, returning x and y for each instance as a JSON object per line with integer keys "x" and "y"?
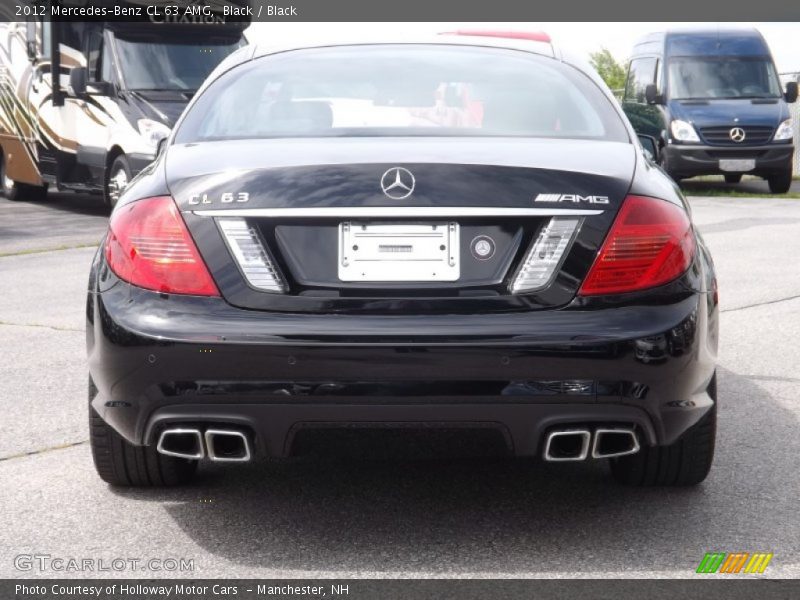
{"x": 612, "y": 72}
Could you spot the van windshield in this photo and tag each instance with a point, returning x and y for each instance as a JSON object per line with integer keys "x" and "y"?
{"x": 722, "y": 77}
{"x": 183, "y": 66}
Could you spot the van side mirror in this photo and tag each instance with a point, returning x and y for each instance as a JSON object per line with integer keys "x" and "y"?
{"x": 651, "y": 94}
{"x": 77, "y": 82}
{"x": 80, "y": 88}
{"x": 791, "y": 92}
{"x": 650, "y": 146}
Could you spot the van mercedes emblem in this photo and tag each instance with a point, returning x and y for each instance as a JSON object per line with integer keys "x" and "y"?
{"x": 737, "y": 134}
{"x": 398, "y": 183}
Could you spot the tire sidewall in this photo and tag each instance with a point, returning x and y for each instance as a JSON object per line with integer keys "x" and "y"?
{"x": 119, "y": 163}
{"x": 780, "y": 183}
{"x": 9, "y": 192}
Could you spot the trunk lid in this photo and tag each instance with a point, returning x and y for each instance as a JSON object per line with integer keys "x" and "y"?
{"x": 311, "y": 203}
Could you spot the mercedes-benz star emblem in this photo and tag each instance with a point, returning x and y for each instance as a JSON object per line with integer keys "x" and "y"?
{"x": 737, "y": 134}
{"x": 483, "y": 247}
{"x": 398, "y": 183}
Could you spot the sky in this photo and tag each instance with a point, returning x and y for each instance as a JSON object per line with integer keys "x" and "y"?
{"x": 582, "y": 38}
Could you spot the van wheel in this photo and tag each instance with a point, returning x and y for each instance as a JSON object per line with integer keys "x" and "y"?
{"x": 19, "y": 191}
{"x": 664, "y": 164}
{"x": 733, "y": 177}
{"x": 118, "y": 177}
{"x": 120, "y": 463}
{"x": 780, "y": 182}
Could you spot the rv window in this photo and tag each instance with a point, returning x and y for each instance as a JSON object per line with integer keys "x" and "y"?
{"x": 106, "y": 65}
{"x": 37, "y": 37}
{"x": 94, "y": 55}
{"x": 46, "y": 33}
{"x": 30, "y": 40}
{"x": 642, "y": 72}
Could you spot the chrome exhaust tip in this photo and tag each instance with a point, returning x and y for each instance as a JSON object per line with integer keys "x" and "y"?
{"x": 227, "y": 445}
{"x": 567, "y": 445}
{"x": 181, "y": 443}
{"x": 610, "y": 443}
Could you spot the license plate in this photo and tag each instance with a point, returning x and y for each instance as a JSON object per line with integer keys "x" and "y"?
{"x": 399, "y": 252}
{"x": 737, "y": 164}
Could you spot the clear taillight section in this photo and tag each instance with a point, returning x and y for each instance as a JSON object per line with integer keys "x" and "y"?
{"x": 545, "y": 255}
{"x": 650, "y": 243}
{"x": 252, "y": 256}
{"x": 149, "y": 245}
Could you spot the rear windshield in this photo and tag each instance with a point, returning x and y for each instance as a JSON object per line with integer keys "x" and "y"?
{"x": 402, "y": 90}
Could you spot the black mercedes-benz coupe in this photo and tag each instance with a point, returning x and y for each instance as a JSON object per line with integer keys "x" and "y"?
{"x": 462, "y": 232}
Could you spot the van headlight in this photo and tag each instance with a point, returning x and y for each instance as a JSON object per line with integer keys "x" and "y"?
{"x": 152, "y": 131}
{"x": 785, "y": 131}
{"x": 683, "y": 131}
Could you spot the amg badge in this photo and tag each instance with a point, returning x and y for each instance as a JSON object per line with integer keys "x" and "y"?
{"x": 576, "y": 198}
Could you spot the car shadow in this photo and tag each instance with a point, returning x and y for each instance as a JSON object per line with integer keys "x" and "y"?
{"x": 63, "y": 220}
{"x": 81, "y": 204}
{"x": 500, "y": 516}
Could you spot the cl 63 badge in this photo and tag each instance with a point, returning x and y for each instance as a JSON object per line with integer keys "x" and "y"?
{"x": 226, "y": 198}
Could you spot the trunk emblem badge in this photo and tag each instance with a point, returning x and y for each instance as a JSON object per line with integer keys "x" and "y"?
{"x": 483, "y": 247}
{"x": 398, "y": 183}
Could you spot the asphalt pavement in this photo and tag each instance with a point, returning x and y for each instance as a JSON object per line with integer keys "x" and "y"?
{"x": 398, "y": 516}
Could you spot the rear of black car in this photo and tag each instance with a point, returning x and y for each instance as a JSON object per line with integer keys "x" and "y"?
{"x": 361, "y": 247}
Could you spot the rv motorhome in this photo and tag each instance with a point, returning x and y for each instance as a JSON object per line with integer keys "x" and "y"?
{"x": 120, "y": 88}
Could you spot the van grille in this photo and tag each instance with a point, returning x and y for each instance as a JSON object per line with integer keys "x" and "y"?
{"x": 721, "y": 136}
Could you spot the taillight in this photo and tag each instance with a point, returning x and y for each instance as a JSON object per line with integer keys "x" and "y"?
{"x": 545, "y": 255}
{"x": 650, "y": 243}
{"x": 149, "y": 245}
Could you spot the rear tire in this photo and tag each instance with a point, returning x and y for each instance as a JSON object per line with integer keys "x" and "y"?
{"x": 780, "y": 183}
{"x": 684, "y": 463}
{"x": 19, "y": 192}
{"x": 120, "y": 463}
{"x": 733, "y": 177}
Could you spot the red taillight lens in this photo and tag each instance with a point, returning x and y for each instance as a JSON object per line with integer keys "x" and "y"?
{"x": 650, "y": 243}
{"x": 149, "y": 245}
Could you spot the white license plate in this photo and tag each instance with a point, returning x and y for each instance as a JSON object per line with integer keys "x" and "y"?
{"x": 399, "y": 252}
{"x": 740, "y": 165}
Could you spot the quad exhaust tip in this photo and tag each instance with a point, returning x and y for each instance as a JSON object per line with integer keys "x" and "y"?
{"x": 181, "y": 443}
{"x": 567, "y": 445}
{"x": 219, "y": 445}
{"x": 564, "y": 445}
{"x": 611, "y": 443}
{"x": 227, "y": 445}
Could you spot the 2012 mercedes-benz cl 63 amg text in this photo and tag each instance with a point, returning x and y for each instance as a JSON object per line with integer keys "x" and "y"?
{"x": 461, "y": 232}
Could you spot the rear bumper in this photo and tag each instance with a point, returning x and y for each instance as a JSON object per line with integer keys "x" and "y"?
{"x": 689, "y": 160}
{"x": 158, "y": 360}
